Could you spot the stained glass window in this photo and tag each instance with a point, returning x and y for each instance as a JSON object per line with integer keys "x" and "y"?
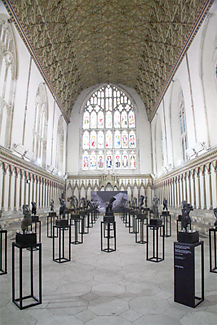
{"x": 100, "y": 119}
{"x": 117, "y": 139}
{"x": 108, "y": 139}
{"x": 117, "y": 119}
{"x": 131, "y": 119}
{"x": 100, "y": 161}
{"x": 117, "y": 160}
{"x": 109, "y": 120}
{"x": 85, "y": 160}
{"x": 109, "y": 127}
{"x": 93, "y": 139}
{"x": 124, "y": 139}
{"x": 86, "y": 140}
{"x": 124, "y": 119}
{"x": 100, "y": 139}
{"x": 132, "y": 140}
{"x": 132, "y": 160}
{"x": 109, "y": 160}
{"x": 86, "y": 120}
{"x": 93, "y": 120}
{"x": 93, "y": 160}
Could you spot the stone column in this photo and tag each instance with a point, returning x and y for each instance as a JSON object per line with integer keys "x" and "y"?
{"x": 209, "y": 169}
{"x": 189, "y": 186}
{"x": 182, "y": 187}
{"x": 4, "y": 170}
{"x": 9, "y": 187}
{"x": 194, "y": 189}
{"x": 186, "y": 187}
{"x": 198, "y": 187}
{"x": 15, "y": 188}
{"x": 204, "y": 187}
{"x": 21, "y": 190}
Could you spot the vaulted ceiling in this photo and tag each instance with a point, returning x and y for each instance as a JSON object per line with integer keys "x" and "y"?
{"x": 81, "y": 43}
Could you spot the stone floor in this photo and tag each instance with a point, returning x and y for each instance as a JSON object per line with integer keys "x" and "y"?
{"x": 109, "y": 288}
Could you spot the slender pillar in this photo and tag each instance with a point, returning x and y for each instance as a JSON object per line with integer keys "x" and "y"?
{"x": 186, "y": 187}
{"x": 189, "y": 186}
{"x": 209, "y": 169}
{"x": 204, "y": 186}
{"x": 198, "y": 187}
{"x": 21, "y": 188}
{"x": 194, "y": 189}
{"x": 3, "y": 186}
{"x": 9, "y": 187}
{"x": 15, "y": 188}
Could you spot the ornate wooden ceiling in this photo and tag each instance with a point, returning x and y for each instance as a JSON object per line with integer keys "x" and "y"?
{"x": 81, "y": 43}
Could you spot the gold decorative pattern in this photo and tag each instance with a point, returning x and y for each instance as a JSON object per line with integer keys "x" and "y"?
{"x": 82, "y": 43}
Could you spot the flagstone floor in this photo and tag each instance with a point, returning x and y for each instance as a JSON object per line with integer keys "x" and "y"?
{"x": 97, "y": 288}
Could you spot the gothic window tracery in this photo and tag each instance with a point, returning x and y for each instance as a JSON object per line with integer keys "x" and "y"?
{"x": 183, "y": 129}
{"x": 109, "y": 129}
{"x": 8, "y": 71}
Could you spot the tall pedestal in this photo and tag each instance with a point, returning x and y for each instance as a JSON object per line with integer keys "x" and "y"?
{"x": 140, "y": 232}
{"x": 157, "y": 246}
{"x": 61, "y": 244}
{"x": 19, "y": 299}
{"x": 76, "y": 229}
{"x": 108, "y": 236}
{"x": 188, "y": 290}
{"x": 212, "y": 249}
{"x": 51, "y": 221}
{"x": 3, "y": 252}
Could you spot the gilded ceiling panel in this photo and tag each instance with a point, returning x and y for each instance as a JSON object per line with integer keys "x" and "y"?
{"x": 81, "y": 43}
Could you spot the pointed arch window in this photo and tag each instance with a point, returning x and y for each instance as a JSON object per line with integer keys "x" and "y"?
{"x": 109, "y": 128}
{"x": 183, "y": 129}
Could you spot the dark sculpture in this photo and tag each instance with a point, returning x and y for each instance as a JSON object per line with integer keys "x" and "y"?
{"x": 186, "y": 220}
{"x": 62, "y": 210}
{"x": 165, "y": 204}
{"x": 27, "y": 220}
{"x": 83, "y": 204}
{"x": 141, "y": 202}
{"x": 33, "y": 208}
{"x": 215, "y": 213}
{"x": 74, "y": 201}
{"x": 51, "y": 205}
{"x": 155, "y": 201}
{"x": 146, "y": 201}
{"x": 110, "y": 205}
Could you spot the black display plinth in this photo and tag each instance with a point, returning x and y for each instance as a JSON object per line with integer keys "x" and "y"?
{"x": 157, "y": 245}
{"x": 85, "y": 222}
{"x": 141, "y": 223}
{"x": 109, "y": 218}
{"x": 132, "y": 218}
{"x": 62, "y": 222}
{"x": 3, "y": 251}
{"x": 155, "y": 222}
{"x": 212, "y": 249}
{"x": 36, "y": 227}
{"x": 188, "y": 237}
{"x": 76, "y": 229}
{"x": 26, "y": 239}
{"x": 108, "y": 236}
{"x": 18, "y": 298}
{"x": 59, "y": 248}
{"x": 185, "y": 285}
{"x": 51, "y": 221}
{"x": 166, "y": 217}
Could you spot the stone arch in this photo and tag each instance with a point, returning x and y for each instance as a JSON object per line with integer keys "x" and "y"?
{"x": 40, "y": 125}
{"x": 174, "y": 122}
{"x": 209, "y": 74}
{"x": 8, "y": 71}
